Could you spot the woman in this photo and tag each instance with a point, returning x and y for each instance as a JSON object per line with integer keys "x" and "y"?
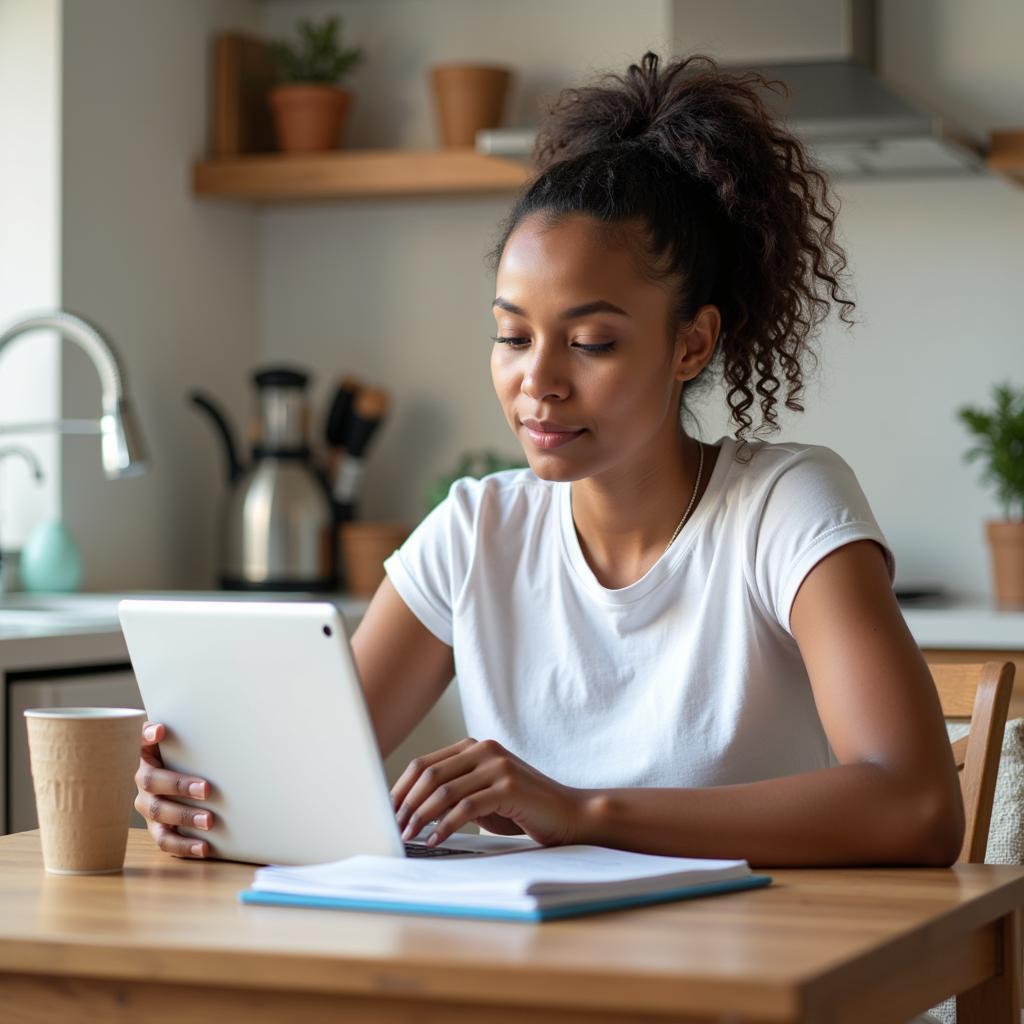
{"x": 661, "y": 644}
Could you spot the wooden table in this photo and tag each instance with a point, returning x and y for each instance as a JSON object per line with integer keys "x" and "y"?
{"x": 168, "y": 942}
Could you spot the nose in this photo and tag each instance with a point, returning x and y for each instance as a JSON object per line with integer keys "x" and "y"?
{"x": 544, "y": 377}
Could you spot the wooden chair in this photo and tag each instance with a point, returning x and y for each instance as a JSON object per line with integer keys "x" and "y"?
{"x": 980, "y": 694}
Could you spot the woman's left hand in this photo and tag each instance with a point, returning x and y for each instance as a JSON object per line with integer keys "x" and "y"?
{"x": 483, "y": 782}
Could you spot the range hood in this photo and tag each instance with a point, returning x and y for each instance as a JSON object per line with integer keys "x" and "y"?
{"x": 854, "y": 124}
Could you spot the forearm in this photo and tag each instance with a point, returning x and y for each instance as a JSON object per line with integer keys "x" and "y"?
{"x": 849, "y": 814}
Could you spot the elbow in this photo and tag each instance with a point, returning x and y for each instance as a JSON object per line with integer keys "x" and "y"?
{"x": 934, "y": 830}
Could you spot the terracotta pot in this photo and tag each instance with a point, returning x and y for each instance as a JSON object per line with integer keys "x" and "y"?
{"x": 363, "y": 547}
{"x": 468, "y": 97}
{"x": 309, "y": 118}
{"x": 1006, "y": 543}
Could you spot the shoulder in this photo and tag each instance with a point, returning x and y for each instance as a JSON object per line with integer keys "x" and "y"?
{"x": 508, "y": 496}
{"x": 765, "y": 463}
{"x": 791, "y": 473}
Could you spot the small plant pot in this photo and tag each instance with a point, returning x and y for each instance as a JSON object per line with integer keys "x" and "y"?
{"x": 309, "y": 118}
{"x": 1006, "y": 543}
{"x": 364, "y": 546}
{"x": 468, "y": 97}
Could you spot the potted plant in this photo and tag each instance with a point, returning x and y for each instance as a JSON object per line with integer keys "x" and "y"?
{"x": 309, "y": 109}
{"x": 1000, "y": 435}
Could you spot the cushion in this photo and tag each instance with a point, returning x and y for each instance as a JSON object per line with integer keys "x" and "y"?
{"x": 1006, "y": 832}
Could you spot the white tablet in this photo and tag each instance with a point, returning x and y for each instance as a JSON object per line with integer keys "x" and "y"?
{"x": 262, "y": 699}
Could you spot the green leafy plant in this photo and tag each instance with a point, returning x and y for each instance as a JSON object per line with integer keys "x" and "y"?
{"x": 470, "y": 464}
{"x": 319, "y": 56}
{"x": 1000, "y": 434}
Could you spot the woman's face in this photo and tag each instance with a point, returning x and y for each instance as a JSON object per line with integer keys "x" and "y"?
{"x": 585, "y": 368}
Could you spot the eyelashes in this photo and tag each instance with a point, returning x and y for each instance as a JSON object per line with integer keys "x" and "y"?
{"x": 515, "y": 342}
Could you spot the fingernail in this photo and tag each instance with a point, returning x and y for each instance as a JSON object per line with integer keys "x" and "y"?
{"x": 150, "y": 733}
{"x": 197, "y": 849}
{"x": 197, "y": 789}
{"x": 432, "y": 839}
{"x": 202, "y": 820}
{"x": 407, "y": 833}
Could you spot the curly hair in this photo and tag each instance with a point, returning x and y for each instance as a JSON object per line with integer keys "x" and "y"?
{"x": 731, "y": 207}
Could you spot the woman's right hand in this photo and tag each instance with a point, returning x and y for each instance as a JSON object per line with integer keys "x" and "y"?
{"x": 155, "y": 784}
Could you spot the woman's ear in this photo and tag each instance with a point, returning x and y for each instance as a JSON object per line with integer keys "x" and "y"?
{"x": 695, "y": 342}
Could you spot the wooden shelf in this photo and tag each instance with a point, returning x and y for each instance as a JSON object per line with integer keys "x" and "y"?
{"x": 1006, "y": 154}
{"x": 351, "y": 174}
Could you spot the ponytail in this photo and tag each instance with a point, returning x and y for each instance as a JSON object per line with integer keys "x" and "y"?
{"x": 731, "y": 208}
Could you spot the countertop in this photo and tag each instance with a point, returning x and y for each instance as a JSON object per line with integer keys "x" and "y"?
{"x": 965, "y": 626}
{"x": 57, "y": 614}
{"x": 33, "y": 617}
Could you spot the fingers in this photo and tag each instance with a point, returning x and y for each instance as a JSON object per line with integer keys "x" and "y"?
{"x": 155, "y": 810}
{"x": 152, "y": 733}
{"x": 478, "y": 804}
{"x": 447, "y": 794}
{"x": 419, "y": 765}
{"x": 435, "y": 778}
{"x": 180, "y": 846}
{"x": 154, "y": 782}
{"x": 160, "y": 781}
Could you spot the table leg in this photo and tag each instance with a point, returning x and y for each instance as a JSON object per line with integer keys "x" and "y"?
{"x": 997, "y": 1001}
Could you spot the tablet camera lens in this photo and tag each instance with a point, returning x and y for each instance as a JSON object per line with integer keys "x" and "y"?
{"x": 327, "y": 630}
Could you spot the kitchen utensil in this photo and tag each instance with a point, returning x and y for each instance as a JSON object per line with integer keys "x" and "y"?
{"x": 369, "y": 407}
{"x": 338, "y": 415}
{"x": 340, "y": 410}
{"x": 277, "y": 527}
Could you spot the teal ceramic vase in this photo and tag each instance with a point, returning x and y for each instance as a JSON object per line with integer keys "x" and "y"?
{"x": 50, "y": 560}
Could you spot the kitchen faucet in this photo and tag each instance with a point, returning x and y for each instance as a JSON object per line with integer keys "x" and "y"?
{"x": 121, "y": 449}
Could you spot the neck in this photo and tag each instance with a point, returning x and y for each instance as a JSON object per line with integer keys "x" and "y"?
{"x": 621, "y": 536}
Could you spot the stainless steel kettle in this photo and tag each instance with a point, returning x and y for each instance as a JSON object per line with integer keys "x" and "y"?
{"x": 277, "y": 521}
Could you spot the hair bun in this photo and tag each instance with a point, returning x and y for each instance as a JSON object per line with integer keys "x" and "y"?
{"x": 620, "y": 109}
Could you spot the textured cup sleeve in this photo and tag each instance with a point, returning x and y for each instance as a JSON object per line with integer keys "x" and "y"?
{"x": 811, "y": 506}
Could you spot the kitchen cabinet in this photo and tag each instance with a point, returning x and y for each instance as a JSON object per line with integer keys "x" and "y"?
{"x": 106, "y": 688}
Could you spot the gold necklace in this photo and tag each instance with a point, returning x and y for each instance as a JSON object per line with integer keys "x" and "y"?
{"x": 693, "y": 498}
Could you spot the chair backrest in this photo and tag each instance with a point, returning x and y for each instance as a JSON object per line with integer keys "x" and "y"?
{"x": 979, "y": 693}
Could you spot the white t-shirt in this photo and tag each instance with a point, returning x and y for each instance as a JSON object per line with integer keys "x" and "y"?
{"x": 688, "y": 677}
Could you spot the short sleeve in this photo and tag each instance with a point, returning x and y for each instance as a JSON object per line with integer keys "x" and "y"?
{"x": 429, "y": 569}
{"x": 812, "y": 504}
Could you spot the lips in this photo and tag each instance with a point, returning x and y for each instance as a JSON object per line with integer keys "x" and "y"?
{"x": 547, "y": 434}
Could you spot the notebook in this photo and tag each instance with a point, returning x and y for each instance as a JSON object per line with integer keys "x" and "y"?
{"x": 538, "y": 884}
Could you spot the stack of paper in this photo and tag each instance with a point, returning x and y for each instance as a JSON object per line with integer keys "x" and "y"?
{"x": 533, "y": 885}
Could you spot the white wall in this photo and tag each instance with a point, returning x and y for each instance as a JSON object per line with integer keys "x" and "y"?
{"x": 172, "y": 279}
{"x": 196, "y": 292}
{"x": 937, "y": 267}
{"x": 397, "y": 290}
{"x": 30, "y": 112}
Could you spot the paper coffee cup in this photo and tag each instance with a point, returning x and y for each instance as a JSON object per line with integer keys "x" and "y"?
{"x": 83, "y": 773}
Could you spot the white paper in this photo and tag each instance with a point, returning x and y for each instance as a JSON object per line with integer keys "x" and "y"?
{"x": 545, "y": 876}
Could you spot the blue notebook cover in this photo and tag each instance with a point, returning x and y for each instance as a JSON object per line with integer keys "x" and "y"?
{"x": 493, "y": 914}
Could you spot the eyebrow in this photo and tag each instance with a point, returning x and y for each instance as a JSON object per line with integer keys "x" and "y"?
{"x": 598, "y": 306}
